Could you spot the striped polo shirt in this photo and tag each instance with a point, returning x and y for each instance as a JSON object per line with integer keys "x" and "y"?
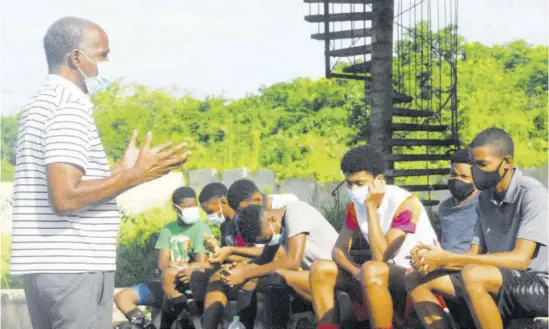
{"x": 57, "y": 126}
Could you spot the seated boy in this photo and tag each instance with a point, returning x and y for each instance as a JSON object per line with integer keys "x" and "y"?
{"x": 299, "y": 229}
{"x": 393, "y": 221}
{"x": 213, "y": 199}
{"x": 504, "y": 273}
{"x": 181, "y": 252}
{"x": 242, "y": 193}
{"x": 458, "y": 217}
{"x": 458, "y": 213}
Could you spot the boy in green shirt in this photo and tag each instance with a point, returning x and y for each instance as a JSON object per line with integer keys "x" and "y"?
{"x": 181, "y": 250}
{"x": 182, "y": 253}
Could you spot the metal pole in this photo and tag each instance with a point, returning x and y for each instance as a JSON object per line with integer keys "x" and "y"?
{"x": 381, "y": 90}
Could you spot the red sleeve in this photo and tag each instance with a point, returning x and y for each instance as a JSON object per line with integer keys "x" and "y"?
{"x": 403, "y": 221}
{"x": 350, "y": 221}
{"x": 239, "y": 241}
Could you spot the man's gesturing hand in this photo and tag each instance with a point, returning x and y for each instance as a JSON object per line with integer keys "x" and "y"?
{"x": 158, "y": 161}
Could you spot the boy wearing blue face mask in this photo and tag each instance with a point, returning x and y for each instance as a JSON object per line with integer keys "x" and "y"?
{"x": 393, "y": 221}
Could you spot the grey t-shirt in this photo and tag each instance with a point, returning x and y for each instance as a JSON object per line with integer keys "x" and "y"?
{"x": 457, "y": 224}
{"x": 301, "y": 218}
{"x": 522, "y": 214}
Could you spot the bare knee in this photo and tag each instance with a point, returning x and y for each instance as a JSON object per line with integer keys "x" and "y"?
{"x": 168, "y": 277}
{"x": 323, "y": 271}
{"x": 473, "y": 278}
{"x": 126, "y": 298}
{"x": 375, "y": 273}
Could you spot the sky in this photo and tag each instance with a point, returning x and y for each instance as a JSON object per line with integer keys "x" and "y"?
{"x": 214, "y": 47}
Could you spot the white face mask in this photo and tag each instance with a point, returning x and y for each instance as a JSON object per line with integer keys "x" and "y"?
{"x": 358, "y": 194}
{"x": 103, "y": 78}
{"x": 217, "y": 218}
{"x": 276, "y": 239}
{"x": 188, "y": 215}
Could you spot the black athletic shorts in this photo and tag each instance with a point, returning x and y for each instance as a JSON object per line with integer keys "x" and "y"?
{"x": 522, "y": 295}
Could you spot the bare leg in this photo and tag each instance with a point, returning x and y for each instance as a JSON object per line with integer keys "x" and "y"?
{"x": 375, "y": 285}
{"x": 126, "y": 300}
{"x": 323, "y": 279}
{"x": 421, "y": 289}
{"x": 480, "y": 281}
{"x": 299, "y": 280}
{"x": 168, "y": 283}
{"x": 325, "y": 276}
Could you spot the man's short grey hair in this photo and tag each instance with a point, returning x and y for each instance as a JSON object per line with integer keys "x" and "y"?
{"x": 63, "y": 36}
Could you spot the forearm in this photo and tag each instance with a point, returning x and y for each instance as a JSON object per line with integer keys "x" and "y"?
{"x": 90, "y": 192}
{"x": 200, "y": 265}
{"x": 247, "y": 251}
{"x": 378, "y": 242}
{"x": 508, "y": 260}
{"x": 238, "y": 258}
{"x": 343, "y": 260}
{"x": 284, "y": 263}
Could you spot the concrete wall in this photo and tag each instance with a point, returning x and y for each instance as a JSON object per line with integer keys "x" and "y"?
{"x": 156, "y": 193}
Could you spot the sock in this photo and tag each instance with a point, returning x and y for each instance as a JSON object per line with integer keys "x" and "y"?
{"x": 327, "y": 326}
{"x": 171, "y": 309}
{"x": 137, "y": 318}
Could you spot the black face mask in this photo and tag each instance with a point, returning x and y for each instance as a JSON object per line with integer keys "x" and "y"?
{"x": 485, "y": 180}
{"x": 459, "y": 189}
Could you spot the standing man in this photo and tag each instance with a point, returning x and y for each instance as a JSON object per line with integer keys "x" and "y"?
{"x": 65, "y": 216}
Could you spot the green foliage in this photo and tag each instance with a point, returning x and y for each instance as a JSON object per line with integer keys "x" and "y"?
{"x": 8, "y": 171}
{"x": 302, "y": 128}
{"x": 8, "y": 281}
{"x": 335, "y": 212}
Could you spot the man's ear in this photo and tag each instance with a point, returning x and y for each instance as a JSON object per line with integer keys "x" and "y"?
{"x": 75, "y": 58}
{"x": 224, "y": 200}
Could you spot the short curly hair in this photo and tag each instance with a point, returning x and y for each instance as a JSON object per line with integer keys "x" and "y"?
{"x": 363, "y": 158}
{"x": 249, "y": 223}
{"x": 184, "y": 192}
{"x": 239, "y": 191}
{"x": 212, "y": 191}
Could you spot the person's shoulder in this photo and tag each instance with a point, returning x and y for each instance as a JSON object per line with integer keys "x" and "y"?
{"x": 532, "y": 189}
{"x": 445, "y": 205}
{"x": 281, "y": 200}
{"x": 530, "y": 183}
{"x": 171, "y": 226}
{"x": 200, "y": 224}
